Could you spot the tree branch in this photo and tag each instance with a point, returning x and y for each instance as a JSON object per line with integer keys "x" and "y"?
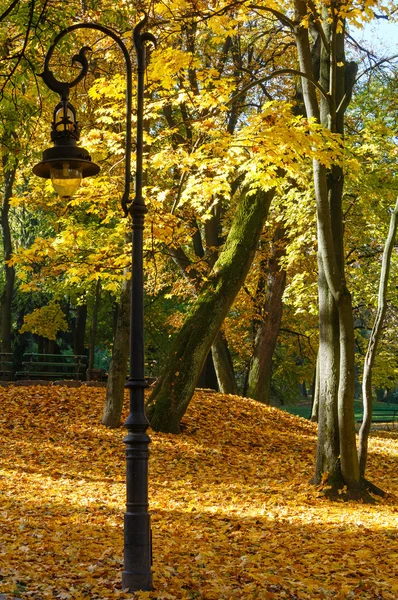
{"x": 276, "y": 74}
{"x": 380, "y": 62}
{"x": 25, "y": 43}
{"x": 280, "y": 16}
{"x": 8, "y": 10}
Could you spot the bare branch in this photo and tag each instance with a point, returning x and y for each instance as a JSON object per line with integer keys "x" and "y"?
{"x": 368, "y": 70}
{"x": 25, "y": 43}
{"x": 9, "y": 9}
{"x": 276, "y": 74}
{"x": 280, "y": 16}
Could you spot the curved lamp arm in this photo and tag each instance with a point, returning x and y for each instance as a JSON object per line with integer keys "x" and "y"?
{"x": 63, "y": 88}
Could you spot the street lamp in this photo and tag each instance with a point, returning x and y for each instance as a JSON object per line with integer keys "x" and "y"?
{"x": 66, "y": 164}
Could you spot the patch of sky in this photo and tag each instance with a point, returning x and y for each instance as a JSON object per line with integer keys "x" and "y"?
{"x": 380, "y": 37}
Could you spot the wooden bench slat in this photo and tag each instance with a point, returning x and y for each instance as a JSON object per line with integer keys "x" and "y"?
{"x": 45, "y": 373}
{"x": 381, "y": 415}
{"x": 52, "y": 366}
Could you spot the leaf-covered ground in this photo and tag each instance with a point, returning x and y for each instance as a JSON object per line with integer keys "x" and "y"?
{"x": 233, "y": 516}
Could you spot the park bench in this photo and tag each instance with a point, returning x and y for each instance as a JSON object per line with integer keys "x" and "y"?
{"x": 389, "y": 415}
{"x": 383, "y": 415}
{"x": 52, "y": 367}
{"x": 6, "y": 366}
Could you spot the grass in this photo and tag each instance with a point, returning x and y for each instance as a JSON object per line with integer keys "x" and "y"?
{"x": 233, "y": 514}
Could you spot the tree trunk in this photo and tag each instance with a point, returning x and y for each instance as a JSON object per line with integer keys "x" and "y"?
{"x": 118, "y": 367}
{"x": 94, "y": 324}
{"x": 315, "y": 394}
{"x": 223, "y": 365}
{"x": 337, "y": 458}
{"x": 328, "y": 446}
{"x": 173, "y": 392}
{"x": 348, "y": 449}
{"x": 260, "y": 373}
{"x": 80, "y": 329}
{"x": 374, "y": 342}
{"x": 220, "y": 355}
{"x": 208, "y": 377}
{"x": 9, "y": 271}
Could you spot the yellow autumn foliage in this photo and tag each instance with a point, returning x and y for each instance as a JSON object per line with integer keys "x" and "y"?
{"x": 45, "y": 321}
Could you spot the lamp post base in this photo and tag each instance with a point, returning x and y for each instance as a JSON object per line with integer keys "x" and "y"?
{"x": 137, "y": 574}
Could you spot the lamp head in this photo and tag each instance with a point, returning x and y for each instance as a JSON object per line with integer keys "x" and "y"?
{"x": 65, "y": 163}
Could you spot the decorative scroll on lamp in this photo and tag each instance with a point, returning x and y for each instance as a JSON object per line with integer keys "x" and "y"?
{"x": 66, "y": 164}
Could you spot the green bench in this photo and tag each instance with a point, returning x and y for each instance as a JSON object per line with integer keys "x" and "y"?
{"x": 53, "y": 367}
{"x": 6, "y": 366}
{"x": 389, "y": 414}
{"x": 383, "y": 415}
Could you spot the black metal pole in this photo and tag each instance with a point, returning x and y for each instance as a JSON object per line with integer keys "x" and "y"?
{"x": 137, "y": 574}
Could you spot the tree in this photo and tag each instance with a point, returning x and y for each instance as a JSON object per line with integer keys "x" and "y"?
{"x": 20, "y": 23}
{"x": 322, "y": 58}
{"x": 373, "y": 342}
{"x": 263, "y": 131}
{"x": 173, "y": 391}
{"x": 118, "y": 368}
{"x": 9, "y": 171}
{"x": 271, "y": 287}
{"x": 372, "y": 125}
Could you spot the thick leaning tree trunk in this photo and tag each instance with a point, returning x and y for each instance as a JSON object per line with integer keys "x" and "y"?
{"x": 9, "y": 271}
{"x": 118, "y": 368}
{"x": 260, "y": 373}
{"x": 220, "y": 354}
{"x": 374, "y": 342}
{"x": 174, "y": 390}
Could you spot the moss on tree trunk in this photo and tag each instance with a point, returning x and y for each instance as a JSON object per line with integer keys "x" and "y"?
{"x": 173, "y": 392}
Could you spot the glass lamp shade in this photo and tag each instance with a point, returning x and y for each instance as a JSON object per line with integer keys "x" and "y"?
{"x": 66, "y": 180}
{"x": 64, "y": 119}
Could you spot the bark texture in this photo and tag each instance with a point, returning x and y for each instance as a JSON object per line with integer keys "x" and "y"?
{"x": 223, "y": 365}
{"x": 220, "y": 355}
{"x": 118, "y": 367}
{"x": 174, "y": 389}
{"x": 9, "y": 271}
{"x": 260, "y": 373}
{"x": 374, "y": 342}
{"x": 94, "y": 325}
{"x": 315, "y": 394}
{"x": 79, "y": 332}
{"x": 324, "y": 61}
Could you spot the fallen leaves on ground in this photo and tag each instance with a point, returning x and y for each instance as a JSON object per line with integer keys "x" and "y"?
{"x": 233, "y": 514}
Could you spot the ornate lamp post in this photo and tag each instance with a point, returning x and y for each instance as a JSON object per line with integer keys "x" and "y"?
{"x": 66, "y": 164}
